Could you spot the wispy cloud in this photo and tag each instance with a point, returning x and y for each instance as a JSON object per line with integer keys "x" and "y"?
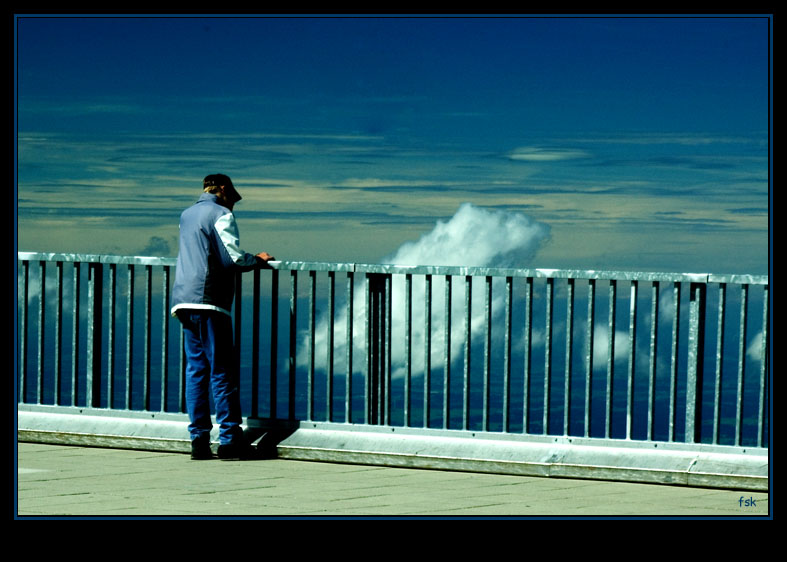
{"x": 540, "y": 154}
{"x": 59, "y": 105}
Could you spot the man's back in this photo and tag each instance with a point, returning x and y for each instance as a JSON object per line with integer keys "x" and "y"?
{"x": 208, "y": 258}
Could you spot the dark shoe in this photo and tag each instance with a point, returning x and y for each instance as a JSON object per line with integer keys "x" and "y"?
{"x": 236, "y": 451}
{"x": 200, "y": 449}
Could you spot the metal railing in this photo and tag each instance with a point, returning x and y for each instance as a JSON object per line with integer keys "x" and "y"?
{"x": 601, "y": 355}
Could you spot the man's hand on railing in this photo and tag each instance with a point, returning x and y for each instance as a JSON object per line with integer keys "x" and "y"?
{"x": 263, "y": 258}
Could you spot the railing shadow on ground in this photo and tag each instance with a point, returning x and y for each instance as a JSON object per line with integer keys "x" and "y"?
{"x": 630, "y": 375}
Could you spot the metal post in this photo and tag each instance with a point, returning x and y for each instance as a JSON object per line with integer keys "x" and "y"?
{"x": 547, "y": 354}
{"x": 329, "y": 346}
{"x": 610, "y": 357}
{"x": 21, "y": 395}
{"x": 427, "y": 348}
{"x": 94, "y": 333}
{"x": 41, "y": 325}
{"x": 447, "y": 354}
{"x": 654, "y": 323}
{"x": 274, "y": 342}
{"x": 632, "y": 358}
{"x": 164, "y": 337}
{"x": 255, "y": 345}
{"x": 527, "y": 336}
{"x": 487, "y": 353}
{"x": 58, "y": 331}
{"x": 695, "y": 365}
{"x": 147, "y": 341}
{"x": 293, "y": 343}
{"x": 310, "y": 363}
{"x": 408, "y": 346}
{"x": 569, "y": 355}
{"x": 378, "y": 350}
{"x": 348, "y": 349}
{"x": 111, "y": 304}
{"x": 589, "y": 354}
{"x": 130, "y": 335}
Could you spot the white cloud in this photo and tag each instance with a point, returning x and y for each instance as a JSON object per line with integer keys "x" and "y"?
{"x": 754, "y": 351}
{"x": 601, "y": 346}
{"x": 472, "y": 237}
{"x": 537, "y": 154}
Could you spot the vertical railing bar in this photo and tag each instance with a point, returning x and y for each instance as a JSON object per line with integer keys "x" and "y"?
{"x": 329, "y": 346}
{"x": 95, "y": 333}
{"x": 90, "y": 328}
{"x": 569, "y": 355}
{"x": 388, "y": 327}
{"x": 487, "y": 352}
{"x": 310, "y": 391}
{"x": 21, "y": 390}
{"x": 654, "y": 323}
{"x": 41, "y": 331}
{"x": 507, "y": 357}
{"x": 764, "y": 367}
{"x": 741, "y": 363}
{"x": 674, "y": 362}
{"x": 274, "y": 350}
{"x": 695, "y": 370}
{"x": 447, "y": 353}
{"x": 369, "y": 330}
{"x": 468, "y": 324}
{"x": 610, "y": 357}
{"x": 59, "y": 332}
{"x": 237, "y": 324}
{"x": 381, "y": 347}
{"x": 75, "y": 336}
{"x": 255, "y": 343}
{"x": 589, "y": 336}
{"x": 182, "y": 373}
{"x": 547, "y": 353}
{"x": 720, "y": 326}
{"x": 427, "y": 347}
{"x": 130, "y": 335}
{"x": 632, "y": 343}
{"x": 164, "y": 337}
{"x": 408, "y": 349}
{"x": 111, "y": 335}
{"x": 379, "y": 361}
{"x": 527, "y": 351}
{"x": 349, "y": 348}
{"x": 293, "y": 340}
{"x": 146, "y": 364}
{"x": 376, "y": 376}
{"x": 378, "y": 390}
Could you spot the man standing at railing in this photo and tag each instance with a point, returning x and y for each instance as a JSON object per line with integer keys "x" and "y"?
{"x": 209, "y": 258}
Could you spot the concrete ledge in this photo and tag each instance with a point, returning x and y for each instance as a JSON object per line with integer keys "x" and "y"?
{"x": 680, "y": 464}
{"x": 103, "y": 428}
{"x": 561, "y": 457}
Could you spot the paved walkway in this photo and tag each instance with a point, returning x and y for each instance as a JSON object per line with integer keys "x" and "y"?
{"x": 78, "y": 481}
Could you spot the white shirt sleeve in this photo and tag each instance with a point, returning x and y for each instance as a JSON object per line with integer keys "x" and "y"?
{"x": 227, "y": 229}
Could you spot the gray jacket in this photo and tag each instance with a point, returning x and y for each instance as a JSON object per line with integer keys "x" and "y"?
{"x": 209, "y": 257}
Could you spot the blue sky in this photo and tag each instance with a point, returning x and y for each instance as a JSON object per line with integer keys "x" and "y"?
{"x": 639, "y": 143}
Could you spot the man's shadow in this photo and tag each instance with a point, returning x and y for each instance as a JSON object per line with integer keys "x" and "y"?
{"x": 265, "y": 440}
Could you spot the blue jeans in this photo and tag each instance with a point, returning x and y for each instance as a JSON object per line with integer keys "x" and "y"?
{"x": 210, "y": 365}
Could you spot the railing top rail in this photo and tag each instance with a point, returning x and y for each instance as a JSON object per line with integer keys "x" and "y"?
{"x": 645, "y": 276}
{"x": 96, "y": 258}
